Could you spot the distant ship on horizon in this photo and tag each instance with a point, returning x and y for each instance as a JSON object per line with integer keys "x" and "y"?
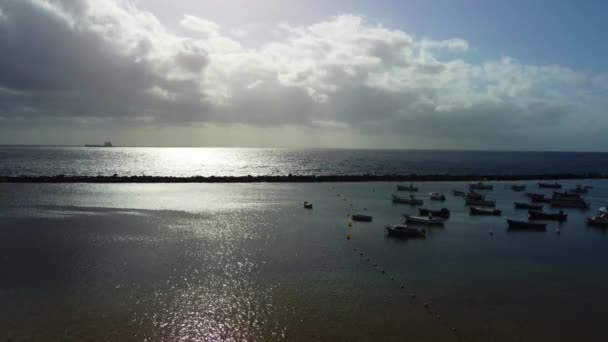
{"x": 105, "y": 144}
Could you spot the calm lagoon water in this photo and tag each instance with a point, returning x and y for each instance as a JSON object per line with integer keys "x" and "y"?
{"x": 247, "y": 262}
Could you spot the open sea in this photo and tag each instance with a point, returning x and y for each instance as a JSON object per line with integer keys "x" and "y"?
{"x": 137, "y": 161}
{"x": 246, "y": 262}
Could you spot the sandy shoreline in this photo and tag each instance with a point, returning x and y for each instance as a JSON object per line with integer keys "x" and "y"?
{"x": 298, "y": 178}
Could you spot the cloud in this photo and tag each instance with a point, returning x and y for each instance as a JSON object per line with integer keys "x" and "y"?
{"x": 109, "y": 60}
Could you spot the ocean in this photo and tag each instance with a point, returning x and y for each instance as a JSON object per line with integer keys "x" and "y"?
{"x": 235, "y": 262}
{"x": 184, "y": 162}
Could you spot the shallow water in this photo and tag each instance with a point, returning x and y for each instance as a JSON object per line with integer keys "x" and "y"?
{"x": 247, "y": 262}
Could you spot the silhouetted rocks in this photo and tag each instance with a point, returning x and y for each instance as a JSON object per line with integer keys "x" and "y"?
{"x": 293, "y": 178}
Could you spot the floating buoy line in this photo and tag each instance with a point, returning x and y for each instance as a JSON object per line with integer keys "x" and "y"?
{"x": 402, "y": 285}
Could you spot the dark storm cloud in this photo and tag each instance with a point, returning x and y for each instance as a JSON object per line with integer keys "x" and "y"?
{"x": 57, "y": 66}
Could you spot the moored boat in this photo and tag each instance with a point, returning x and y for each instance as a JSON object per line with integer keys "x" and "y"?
{"x": 562, "y": 203}
{"x": 532, "y": 195}
{"x": 410, "y": 187}
{"x": 566, "y": 195}
{"x": 518, "y": 187}
{"x": 437, "y": 196}
{"x": 481, "y": 186}
{"x": 541, "y": 215}
{"x": 443, "y": 212}
{"x": 601, "y": 219}
{"x": 523, "y": 205}
{"x": 307, "y": 205}
{"x": 550, "y": 185}
{"x": 540, "y": 199}
{"x": 523, "y": 225}
{"x": 480, "y": 203}
{"x": 598, "y": 221}
{"x": 472, "y": 195}
{"x": 362, "y": 218}
{"x": 483, "y": 211}
{"x": 403, "y": 231}
{"x": 404, "y": 200}
{"x": 579, "y": 189}
{"x": 426, "y": 220}
{"x": 458, "y": 193}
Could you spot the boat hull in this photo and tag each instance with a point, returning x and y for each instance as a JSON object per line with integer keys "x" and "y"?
{"x": 408, "y": 201}
{"x": 406, "y": 233}
{"x": 423, "y": 220}
{"x": 480, "y": 203}
{"x": 484, "y": 212}
{"x": 542, "y": 216}
{"x": 550, "y": 185}
{"x": 520, "y": 205}
{"x": 443, "y": 213}
{"x": 407, "y": 188}
{"x": 362, "y": 218}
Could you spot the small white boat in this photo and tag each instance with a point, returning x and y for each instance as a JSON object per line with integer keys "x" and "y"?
{"x": 426, "y": 220}
{"x": 436, "y": 196}
{"x": 403, "y": 231}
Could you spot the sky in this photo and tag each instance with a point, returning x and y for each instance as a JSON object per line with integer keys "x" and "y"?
{"x": 443, "y": 74}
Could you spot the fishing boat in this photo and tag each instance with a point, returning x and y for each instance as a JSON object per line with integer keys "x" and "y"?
{"x": 480, "y": 186}
{"x": 579, "y": 189}
{"x": 569, "y": 204}
{"x": 540, "y": 199}
{"x": 437, "y": 196}
{"x": 307, "y": 205}
{"x": 601, "y": 219}
{"x": 518, "y": 188}
{"x": 541, "y": 215}
{"x": 523, "y": 225}
{"x": 598, "y": 221}
{"x": 426, "y": 220}
{"x": 568, "y": 195}
{"x": 410, "y": 187}
{"x": 403, "y": 231}
{"x": 472, "y": 195}
{"x": 523, "y": 205}
{"x": 443, "y": 212}
{"x": 362, "y": 218}
{"x": 480, "y": 203}
{"x": 412, "y": 200}
{"x": 458, "y": 193}
{"x": 483, "y": 211}
{"x": 568, "y": 200}
{"x": 550, "y": 185}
